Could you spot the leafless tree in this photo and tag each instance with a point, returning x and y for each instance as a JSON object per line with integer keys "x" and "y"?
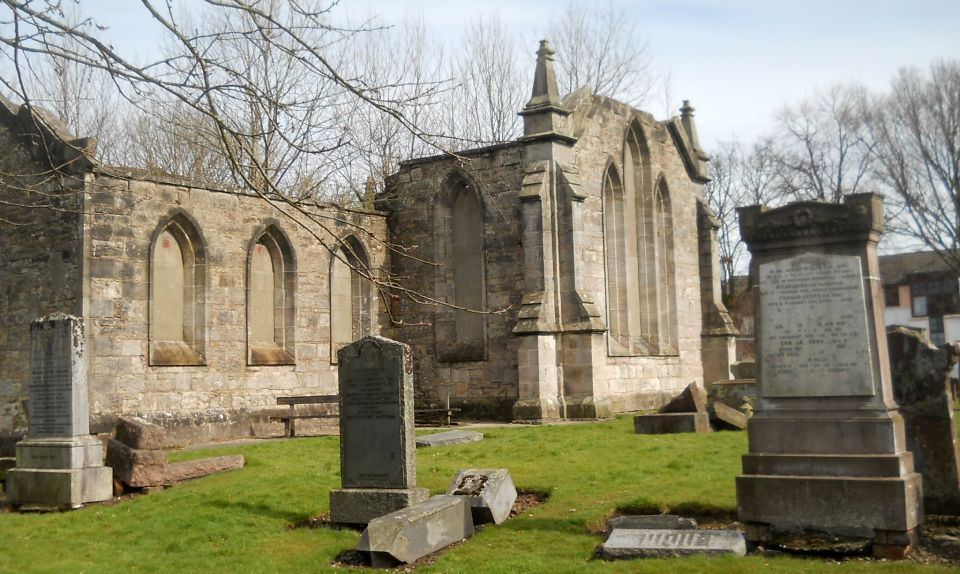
{"x": 600, "y": 47}
{"x": 823, "y": 144}
{"x": 917, "y": 130}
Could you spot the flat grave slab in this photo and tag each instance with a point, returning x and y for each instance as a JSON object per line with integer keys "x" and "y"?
{"x": 668, "y": 423}
{"x": 411, "y": 533}
{"x": 636, "y": 543}
{"x": 650, "y": 522}
{"x": 447, "y": 438}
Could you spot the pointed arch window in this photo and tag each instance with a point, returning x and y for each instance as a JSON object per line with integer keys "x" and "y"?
{"x": 638, "y": 243}
{"x": 271, "y": 312}
{"x": 461, "y": 280}
{"x": 350, "y": 295}
{"x": 177, "y": 294}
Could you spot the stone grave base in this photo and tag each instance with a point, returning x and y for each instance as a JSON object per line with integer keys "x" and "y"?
{"x": 873, "y": 507}
{"x": 60, "y": 472}
{"x": 59, "y": 487}
{"x": 409, "y": 534}
{"x": 361, "y": 505}
{"x": 667, "y": 423}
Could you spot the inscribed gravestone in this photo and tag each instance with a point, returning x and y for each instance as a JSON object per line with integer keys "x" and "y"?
{"x": 374, "y": 428}
{"x": 57, "y": 404}
{"x": 660, "y": 543}
{"x": 59, "y": 463}
{"x": 814, "y": 328}
{"x": 377, "y": 450}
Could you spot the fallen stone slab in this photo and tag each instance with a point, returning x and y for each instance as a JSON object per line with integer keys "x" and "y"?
{"x": 693, "y": 399}
{"x": 136, "y": 468}
{"x": 669, "y": 423}
{"x": 729, "y": 416}
{"x": 636, "y": 543}
{"x": 650, "y": 522}
{"x": 448, "y": 437}
{"x": 180, "y": 471}
{"x": 489, "y": 492}
{"x": 139, "y": 433}
{"x": 406, "y": 535}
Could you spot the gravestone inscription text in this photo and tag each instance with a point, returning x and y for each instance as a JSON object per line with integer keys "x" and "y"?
{"x": 814, "y": 339}
{"x": 57, "y": 392}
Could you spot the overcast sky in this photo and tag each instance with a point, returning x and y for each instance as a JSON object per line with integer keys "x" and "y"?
{"x": 738, "y": 61}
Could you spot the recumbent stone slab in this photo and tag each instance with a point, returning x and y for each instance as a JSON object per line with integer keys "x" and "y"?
{"x": 139, "y": 433}
{"x": 180, "y": 471}
{"x": 448, "y": 438}
{"x": 729, "y": 416}
{"x": 668, "y": 423}
{"x": 650, "y": 522}
{"x": 414, "y": 532}
{"x": 489, "y": 492}
{"x": 636, "y": 543}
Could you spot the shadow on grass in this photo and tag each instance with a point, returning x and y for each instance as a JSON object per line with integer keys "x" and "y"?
{"x": 692, "y": 509}
{"x": 260, "y": 509}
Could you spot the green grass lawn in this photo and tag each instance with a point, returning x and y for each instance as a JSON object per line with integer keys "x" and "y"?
{"x": 242, "y": 521}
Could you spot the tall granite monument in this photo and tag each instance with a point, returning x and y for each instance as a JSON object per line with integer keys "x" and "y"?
{"x": 59, "y": 463}
{"x": 378, "y": 468}
{"x": 827, "y": 450}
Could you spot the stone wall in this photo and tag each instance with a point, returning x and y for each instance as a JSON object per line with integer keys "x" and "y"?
{"x": 226, "y": 396}
{"x": 414, "y": 196}
{"x": 40, "y": 266}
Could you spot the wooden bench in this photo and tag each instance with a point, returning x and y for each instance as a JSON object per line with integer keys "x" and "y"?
{"x": 289, "y": 419}
{"x": 439, "y": 417}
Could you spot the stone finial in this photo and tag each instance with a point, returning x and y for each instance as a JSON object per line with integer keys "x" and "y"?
{"x": 545, "y": 92}
{"x": 689, "y": 126}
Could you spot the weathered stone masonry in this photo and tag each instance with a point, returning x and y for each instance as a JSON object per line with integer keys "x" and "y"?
{"x": 587, "y": 240}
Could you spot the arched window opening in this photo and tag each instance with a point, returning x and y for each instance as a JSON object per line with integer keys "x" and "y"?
{"x": 461, "y": 280}
{"x": 666, "y": 283}
{"x": 616, "y": 262}
{"x": 350, "y": 316}
{"x": 271, "y": 313}
{"x": 177, "y": 291}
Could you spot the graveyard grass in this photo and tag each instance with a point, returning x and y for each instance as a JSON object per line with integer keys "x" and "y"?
{"x": 245, "y": 520}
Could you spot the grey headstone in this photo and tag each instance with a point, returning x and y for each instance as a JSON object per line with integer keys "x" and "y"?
{"x": 376, "y": 415}
{"x": 414, "y": 532}
{"x": 668, "y": 423}
{"x": 921, "y": 387}
{"x": 377, "y": 450}
{"x": 625, "y": 543}
{"x": 814, "y": 328}
{"x": 59, "y": 463}
{"x": 57, "y": 405}
{"x": 448, "y": 437}
{"x": 650, "y": 522}
{"x": 489, "y": 492}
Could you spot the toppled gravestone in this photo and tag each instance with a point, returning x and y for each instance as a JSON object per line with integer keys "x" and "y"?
{"x": 921, "y": 387}
{"x": 685, "y": 413}
{"x": 489, "y": 492}
{"x": 448, "y": 438}
{"x": 413, "y": 532}
{"x": 636, "y": 543}
{"x": 650, "y": 522}
{"x": 729, "y": 417}
{"x": 136, "y": 454}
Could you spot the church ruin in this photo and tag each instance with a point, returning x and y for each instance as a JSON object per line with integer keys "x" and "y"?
{"x": 588, "y": 240}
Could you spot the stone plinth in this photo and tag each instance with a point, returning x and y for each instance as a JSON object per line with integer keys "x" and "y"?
{"x": 59, "y": 463}
{"x": 921, "y": 387}
{"x": 411, "y": 533}
{"x": 377, "y": 450}
{"x": 489, "y": 492}
{"x": 668, "y": 423}
{"x": 827, "y": 449}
